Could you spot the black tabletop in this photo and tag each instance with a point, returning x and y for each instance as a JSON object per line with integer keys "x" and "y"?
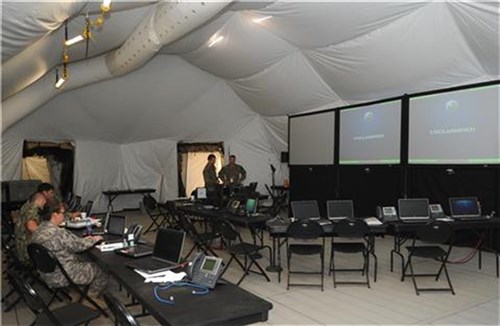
{"x": 227, "y": 304}
{"x": 128, "y": 191}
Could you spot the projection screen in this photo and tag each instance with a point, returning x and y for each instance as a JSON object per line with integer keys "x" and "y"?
{"x": 371, "y": 134}
{"x": 458, "y": 127}
{"x": 311, "y": 139}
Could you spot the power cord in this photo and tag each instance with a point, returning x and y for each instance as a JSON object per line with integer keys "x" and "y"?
{"x": 469, "y": 256}
{"x": 197, "y": 290}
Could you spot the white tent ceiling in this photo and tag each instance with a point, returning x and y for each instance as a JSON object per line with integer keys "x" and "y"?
{"x": 306, "y": 56}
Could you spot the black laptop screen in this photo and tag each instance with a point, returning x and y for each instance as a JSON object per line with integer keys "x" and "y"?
{"x": 251, "y": 205}
{"x": 340, "y": 208}
{"x": 116, "y": 225}
{"x": 413, "y": 207}
{"x": 466, "y": 206}
{"x": 305, "y": 209}
{"x": 168, "y": 245}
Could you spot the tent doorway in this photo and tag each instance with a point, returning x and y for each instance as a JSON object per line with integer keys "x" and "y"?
{"x": 191, "y": 161}
{"x": 49, "y": 162}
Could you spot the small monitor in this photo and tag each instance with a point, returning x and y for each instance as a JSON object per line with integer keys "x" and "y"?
{"x": 168, "y": 245}
{"x": 305, "y": 209}
{"x": 251, "y": 205}
{"x": 201, "y": 193}
{"x": 116, "y": 225}
{"x": 340, "y": 209}
{"x": 464, "y": 207}
{"x": 411, "y": 208}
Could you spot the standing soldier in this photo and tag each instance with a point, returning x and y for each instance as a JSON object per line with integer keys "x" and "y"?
{"x": 26, "y": 224}
{"x": 232, "y": 174}
{"x": 209, "y": 173}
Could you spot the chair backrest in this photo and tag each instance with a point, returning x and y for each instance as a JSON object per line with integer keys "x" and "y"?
{"x": 87, "y": 208}
{"x": 435, "y": 232}
{"x": 187, "y": 226}
{"x": 150, "y": 204}
{"x": 350, "y": 228}
{"x": 304, "y": 229}
{"x": 228, "y": 231}
{"x": 122, "y": 316}
{"x": 34, "y": 302}
{"x": 42, "y": 258}
{"x": 75, "y": 203}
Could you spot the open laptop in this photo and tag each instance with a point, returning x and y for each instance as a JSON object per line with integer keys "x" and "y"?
{"x": 305, "y": 209}
{"x": 339, "y": 209}
{"x": 114, "y": 225}
{"x": 251, "y": 206}
{"x": 465, "y": 208}
{"x": 414, "y": 210}
{"x": 166, "y": 253}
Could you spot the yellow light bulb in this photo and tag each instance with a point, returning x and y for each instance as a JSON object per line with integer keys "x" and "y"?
{"x": 99, "y": 21}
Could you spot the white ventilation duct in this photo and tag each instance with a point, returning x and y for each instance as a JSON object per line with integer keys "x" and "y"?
{"x": 168, "y": 22}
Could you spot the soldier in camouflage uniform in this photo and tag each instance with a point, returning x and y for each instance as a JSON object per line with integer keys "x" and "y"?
{"x": 66, "y": 246}
{"x": 209, "y": 173}
{"x": 26, "y": 224}
{"x": 52, "y": 199}
{"x": 232, "y": 174}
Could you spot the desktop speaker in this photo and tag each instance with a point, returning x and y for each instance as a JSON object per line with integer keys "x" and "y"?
{"x": 284, "y": 157}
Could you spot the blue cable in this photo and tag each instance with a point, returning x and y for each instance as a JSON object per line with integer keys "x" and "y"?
{"x": 199, "y": 290}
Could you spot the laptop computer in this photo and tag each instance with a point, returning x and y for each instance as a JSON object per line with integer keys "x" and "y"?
{"x": 414, "y": 210}
{"x": 251, "y": 206}
{"x": 339, "y": 209}
{"x": 166, "y": 253}
{"x": 466, "y": 208}
{"x": 305, "y": 209}
{"x": 114, "y": 225}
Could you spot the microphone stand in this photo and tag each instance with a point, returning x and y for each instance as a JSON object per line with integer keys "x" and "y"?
{"x": 273, "y": 187}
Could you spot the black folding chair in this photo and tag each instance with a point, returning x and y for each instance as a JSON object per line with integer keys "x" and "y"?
{"x": 237, "y": 247}
{"x": 305, "y": 231}
{"x": 87, "y": 208}
{"x": 71, "y": 314}
{"x": 202, "y": 241}
{"x": 46, "y": 262}
{"x": 351, "y": 229}
{"x": 435, "y": 234}
{"x": 154, "y": 212}
{"x": 75, "y": 204}
{"x": 121, "y": 315}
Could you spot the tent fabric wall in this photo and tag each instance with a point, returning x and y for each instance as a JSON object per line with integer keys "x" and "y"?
{"x": 12, "y": 155}
{"x": 256, "y": 153}
{"x": 103, "y": 166}
{"x": 307, "y": 56}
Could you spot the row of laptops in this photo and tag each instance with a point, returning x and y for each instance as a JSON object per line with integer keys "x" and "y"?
{"x": 461, "y": 208}
{"x": 165, "y": 254}
{"x": 410, "y": 209}
{"x": 309, "y": 209}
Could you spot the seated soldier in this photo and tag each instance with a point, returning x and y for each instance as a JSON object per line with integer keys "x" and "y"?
{"x": 66, "y": 247}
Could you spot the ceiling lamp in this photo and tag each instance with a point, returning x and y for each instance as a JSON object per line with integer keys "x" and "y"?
{"x": 106, "y": 6}
{"x": 60, "y": 80}
{"x": 261, "y": 19}
{"x": 85, "y": 35}
{"x": 74, "y": 40}
{"x": 214, "y": 40}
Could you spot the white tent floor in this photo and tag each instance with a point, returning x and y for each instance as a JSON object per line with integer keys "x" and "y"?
{"x": 389, "y": 301}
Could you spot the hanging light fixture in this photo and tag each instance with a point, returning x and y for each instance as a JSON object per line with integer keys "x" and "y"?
{"x": 106, "y": 6}
{"x": 86, "y": 35}
{"x": 60, "y": 80}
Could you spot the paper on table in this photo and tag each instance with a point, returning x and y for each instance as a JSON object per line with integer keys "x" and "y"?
{"x": 161, "y": 277}
{"x": 372, "y": 221}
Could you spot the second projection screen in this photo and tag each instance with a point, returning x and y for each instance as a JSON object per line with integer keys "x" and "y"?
{"x": 371, "y": 134}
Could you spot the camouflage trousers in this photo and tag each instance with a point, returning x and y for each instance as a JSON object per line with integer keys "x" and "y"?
{"x": 81, "y": 273}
